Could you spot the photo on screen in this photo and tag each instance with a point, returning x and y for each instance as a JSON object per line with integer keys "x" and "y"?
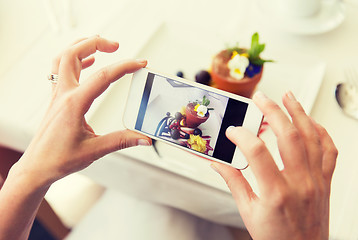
{"x": 187, "y": 115}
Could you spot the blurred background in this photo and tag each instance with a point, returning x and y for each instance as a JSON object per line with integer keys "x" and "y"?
{"x": 136, "y": 193}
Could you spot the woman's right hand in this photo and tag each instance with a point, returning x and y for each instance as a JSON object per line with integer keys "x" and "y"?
{"x": 293, "y": 203}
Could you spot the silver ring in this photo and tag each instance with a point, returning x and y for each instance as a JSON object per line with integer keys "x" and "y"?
{"x": 52, "y": 78}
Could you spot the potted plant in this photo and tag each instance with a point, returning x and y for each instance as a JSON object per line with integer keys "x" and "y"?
{"x": 197, "y": 112}
{"x": 238, "y": 70}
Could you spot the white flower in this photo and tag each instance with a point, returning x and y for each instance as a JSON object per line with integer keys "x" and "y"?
{"x": 237, "y": 66}
{"x": 202, "y": 110}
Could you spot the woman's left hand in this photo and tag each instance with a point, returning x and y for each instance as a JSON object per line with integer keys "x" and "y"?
{"x": 65, "y": 143}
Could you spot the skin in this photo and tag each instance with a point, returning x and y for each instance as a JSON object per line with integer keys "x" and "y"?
{"x": 293, "y": 203}
{"x": 64, "y": 143}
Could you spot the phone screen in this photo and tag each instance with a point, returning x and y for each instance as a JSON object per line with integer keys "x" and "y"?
{"x": 189, "y": 116}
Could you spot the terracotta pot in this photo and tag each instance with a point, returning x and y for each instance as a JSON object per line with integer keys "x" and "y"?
{"x": 192, "y": 118}
{"x": 220, "y": 75}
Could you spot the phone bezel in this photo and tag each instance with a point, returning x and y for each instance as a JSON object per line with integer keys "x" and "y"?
{"x": 252, "y": 120}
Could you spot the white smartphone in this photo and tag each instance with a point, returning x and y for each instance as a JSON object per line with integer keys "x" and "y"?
{"x": 189, "y": 115}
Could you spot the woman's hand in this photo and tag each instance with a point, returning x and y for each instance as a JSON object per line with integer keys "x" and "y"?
{"x": 293, "y": 203}
{"x": 65, "y": 143}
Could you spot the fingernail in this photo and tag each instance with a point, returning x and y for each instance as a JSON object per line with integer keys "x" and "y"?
{"x": 143, "y": 142}
{"x": 141, "y": 61}
{"x": 260, "y": 95}
{"x": 214, "y": 168}
{"x": 230, "y": 128}
{"x": 291, "y": 96}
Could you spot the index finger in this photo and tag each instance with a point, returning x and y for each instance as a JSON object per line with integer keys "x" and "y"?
{"x": 71, "y": 62}
{"x": 259, "y": 158}
{"x": 100, "y": 81}
{"x": 289, "y": 141}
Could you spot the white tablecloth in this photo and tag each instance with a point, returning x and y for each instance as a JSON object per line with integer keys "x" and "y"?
{"x": 190, "y": 184}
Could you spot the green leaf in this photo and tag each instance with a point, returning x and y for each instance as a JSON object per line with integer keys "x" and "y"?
{"x": 206, "y": 101}
{"x": 259, "y": 61}
{"x": 254, "y": 39}
{"x": 255, "y": 51}
{"x": 261, "y": 48}
{"x": 256, "y": 47}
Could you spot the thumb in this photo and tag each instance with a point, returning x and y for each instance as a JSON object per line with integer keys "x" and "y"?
{"x": 119, "y": 140}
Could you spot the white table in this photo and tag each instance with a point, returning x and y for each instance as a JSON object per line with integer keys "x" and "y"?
{"x": 180, "y": 179}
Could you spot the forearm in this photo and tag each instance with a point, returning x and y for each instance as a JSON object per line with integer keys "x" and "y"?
{"x": 20, "y": 198}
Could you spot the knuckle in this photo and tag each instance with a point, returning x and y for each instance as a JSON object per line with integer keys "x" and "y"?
{"x": 315, "y": 139}
{"x": 309, "y": 191}
{"x": 329, "y": 147}
{"x": 103, "y": 75}
{"x": 280, "y": 197}
{"x": 122, "y": 141}
{"x": 272, "y": 107}
{"x": 292, "y": 135}
{"x": 298, "y": 109}
{"x": 257, "y": 148}
{"x": 333, "y": 152}
{"x": 309, "y": 194}
{"x": 122, "y": 144}
{"x": 322, "y": 130}
{"x": 310, "y": 134}
{"x": 96, "y": 37}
